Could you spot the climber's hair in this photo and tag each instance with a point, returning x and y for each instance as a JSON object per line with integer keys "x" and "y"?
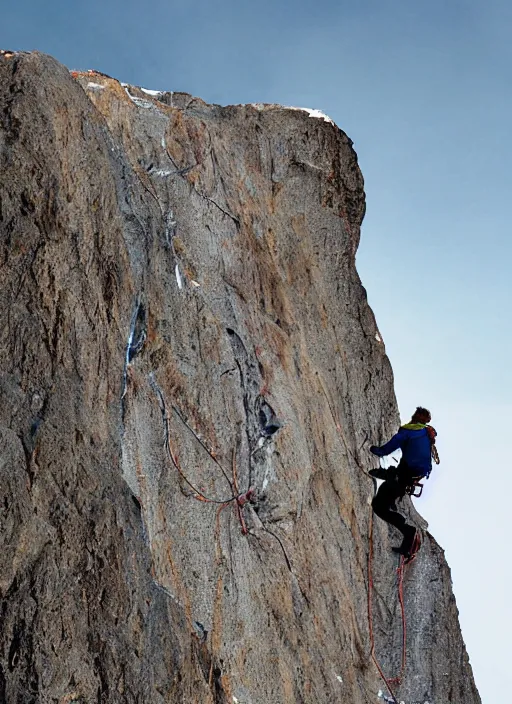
{"x": 421, "y": 415}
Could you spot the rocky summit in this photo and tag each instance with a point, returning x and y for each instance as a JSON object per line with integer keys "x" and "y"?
{"x": 190, "y": 379}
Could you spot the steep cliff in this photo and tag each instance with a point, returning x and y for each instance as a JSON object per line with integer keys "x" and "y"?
{"x": 189, "y": 376}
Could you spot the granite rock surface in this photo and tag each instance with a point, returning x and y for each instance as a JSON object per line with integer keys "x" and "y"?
{"x": 190, "y": 379}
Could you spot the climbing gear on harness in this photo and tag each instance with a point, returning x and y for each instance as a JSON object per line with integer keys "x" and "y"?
{"x": 411, "y": 490}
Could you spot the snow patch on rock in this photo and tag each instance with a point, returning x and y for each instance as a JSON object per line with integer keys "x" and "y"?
{"x": 315, "y": 113}
{"x": 154, "y": 93}
{"x": 311, "y": 111}
{"x": 161, "y": 172}
{"x": 139, "y": 102}
{"x": 179, "y": 280}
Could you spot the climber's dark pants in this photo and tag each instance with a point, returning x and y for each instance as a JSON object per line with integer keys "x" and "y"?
{"x": 384, "y": 503}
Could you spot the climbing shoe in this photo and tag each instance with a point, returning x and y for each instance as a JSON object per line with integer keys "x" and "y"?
{"x": 379, "y": 473}
{"x": 410, "y": 544}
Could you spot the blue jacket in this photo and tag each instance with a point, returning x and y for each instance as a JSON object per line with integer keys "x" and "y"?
{"x": 415, "y": 446}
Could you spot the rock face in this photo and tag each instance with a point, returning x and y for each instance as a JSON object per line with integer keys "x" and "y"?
{"x": 183, "y": 325}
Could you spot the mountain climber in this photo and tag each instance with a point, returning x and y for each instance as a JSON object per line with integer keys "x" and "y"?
{"x": 416, "y": 440}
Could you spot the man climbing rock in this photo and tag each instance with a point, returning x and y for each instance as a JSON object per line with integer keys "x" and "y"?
{"x": 416, "y": 440}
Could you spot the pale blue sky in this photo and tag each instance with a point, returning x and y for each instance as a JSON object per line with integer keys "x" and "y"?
{"x": 423, "y": 89}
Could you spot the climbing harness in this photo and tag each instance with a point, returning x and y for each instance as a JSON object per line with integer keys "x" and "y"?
{"x": 411, "y": 489}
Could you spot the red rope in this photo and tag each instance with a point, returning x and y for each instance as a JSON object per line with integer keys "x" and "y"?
{"x": 400, "y": 571}
{"x": 240, "y": 499}
{"x": 386, "y": 681}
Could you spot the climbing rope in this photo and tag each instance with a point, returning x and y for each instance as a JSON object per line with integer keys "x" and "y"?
{"x": 400, "y": 572}
{"x": 240, "y": 499}
{"x": 202, "y": 443}
{"x": 394, "y": 680}
{"x": 389, "y": 682}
